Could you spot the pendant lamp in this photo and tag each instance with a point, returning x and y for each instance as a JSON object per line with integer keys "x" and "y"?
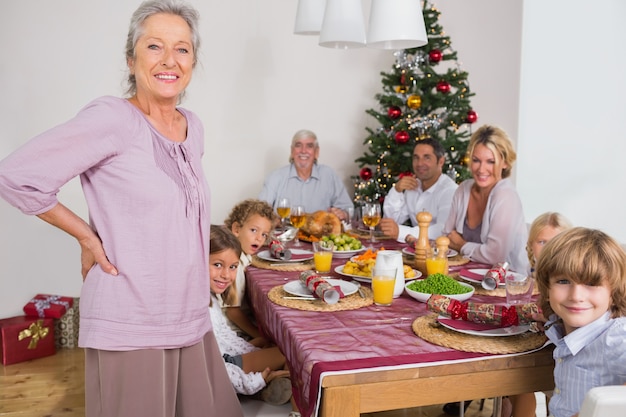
{"x": 343, "y": 26}
{"x": 309, "y": 17}
{"x": 396, "y": 24}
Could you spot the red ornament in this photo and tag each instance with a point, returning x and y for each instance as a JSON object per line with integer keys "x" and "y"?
{"x": 365, "y": 174}
{"x": 401, "y": 137}
{"x": 443, "y": 87}
{"x": 471, "y": 116}
{"x": 394, "y": 112}
{"x": 435, "y": 56}
{"x": 402, "y": 78}
{"x": 405, "y": 174}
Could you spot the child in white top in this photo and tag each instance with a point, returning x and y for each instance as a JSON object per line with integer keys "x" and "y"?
{"x": 249, "y": 367}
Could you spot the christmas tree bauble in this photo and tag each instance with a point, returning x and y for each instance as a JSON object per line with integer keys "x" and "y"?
{"x": 401, "y": 137}
{"x": 465, "y": 160}
{"x": 414, "y": 102}
{"x": 402, "y": 89}
{"x": 365, "y": 174}
{"x": 472, "y": 116}
{"x": 443, "y": 87}
{"x": 394, "y": 112}
{"x": 435, "y": 56}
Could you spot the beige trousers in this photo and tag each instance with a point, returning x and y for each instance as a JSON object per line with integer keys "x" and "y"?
{"x": 185, "y": 382}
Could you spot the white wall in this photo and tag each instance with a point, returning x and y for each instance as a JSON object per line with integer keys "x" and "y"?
{"x": 258, "y": 84}
{"x": 573, "y": 146}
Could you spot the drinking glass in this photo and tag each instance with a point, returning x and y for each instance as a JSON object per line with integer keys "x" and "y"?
{"x": 519, "y": 289}
{"x": 371, "y": 218}
{"x": 297, "y": 218}
{"x": 323, "y": 256}
{"x": 383, "y": 283}
{"x": 283, "y": 208}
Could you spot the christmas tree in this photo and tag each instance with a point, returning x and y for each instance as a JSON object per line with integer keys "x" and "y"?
{"x": 425, "y": 95}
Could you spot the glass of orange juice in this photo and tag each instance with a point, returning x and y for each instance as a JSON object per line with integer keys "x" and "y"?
{"x": 436, "y": 265}
{"x": 323, "y": 256}
{"x": 383, "y": 282}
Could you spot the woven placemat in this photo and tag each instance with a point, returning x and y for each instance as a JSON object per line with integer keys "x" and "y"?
{"x": 430, "y": 330}
{"x": 457, "y": 260}
{"x": 351, "y": 302}
{"x": 291, "y": 266}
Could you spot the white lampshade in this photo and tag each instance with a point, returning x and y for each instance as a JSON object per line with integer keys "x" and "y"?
{"x": 344, "y": 25}
{"x": 396, "y": 24}
{"x": 309, "y": 17}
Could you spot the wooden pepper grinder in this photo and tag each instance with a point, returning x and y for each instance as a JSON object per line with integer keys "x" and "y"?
{"x": 442, "y": 243}
{"x": 422, "y": 246}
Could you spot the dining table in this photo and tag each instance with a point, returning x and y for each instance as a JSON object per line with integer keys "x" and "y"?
{"x": 369, "y": 358}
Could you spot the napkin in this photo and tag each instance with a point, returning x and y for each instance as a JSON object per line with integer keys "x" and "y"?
{"x": 321, "y": 288}
{"x": 296, "y": 256}
{"x": 473, "y": 275}
{"x": 278, "y": 250}
{"x": 467, "y": 325}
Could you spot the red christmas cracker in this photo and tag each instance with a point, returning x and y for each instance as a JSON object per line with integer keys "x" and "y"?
{"x": 320, "y": 287}
{"x": 498, "y": 315}
{"x": 278, "y": 250}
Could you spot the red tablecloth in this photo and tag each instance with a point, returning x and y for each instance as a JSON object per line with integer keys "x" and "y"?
{"x": 316, "y": 342}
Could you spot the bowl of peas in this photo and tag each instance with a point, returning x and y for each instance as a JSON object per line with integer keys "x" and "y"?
{"x": 422, "y": 289}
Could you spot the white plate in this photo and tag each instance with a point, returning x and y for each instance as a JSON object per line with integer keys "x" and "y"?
{"x": 411, "y": 252}
{"x": 361, "y": 278}
{"x": 503, "y": 331}
{"x": 346, "y": 253}
{"x": 298, "y": 289}
{"x": 482, "y": 272}
{"x": 267, "y": 256}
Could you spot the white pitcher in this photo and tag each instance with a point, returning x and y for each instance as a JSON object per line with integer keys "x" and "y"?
{"x": 392, "y": 259}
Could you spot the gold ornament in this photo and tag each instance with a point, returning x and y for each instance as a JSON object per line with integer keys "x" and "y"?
{"x": 465, "y": 161}
{"x": 414, "y": 102}
{"x": 402, "y": 89}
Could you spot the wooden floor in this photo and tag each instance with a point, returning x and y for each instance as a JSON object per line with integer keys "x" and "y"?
{"x": 54, "y": 387}
{"x": 50, "y": 386}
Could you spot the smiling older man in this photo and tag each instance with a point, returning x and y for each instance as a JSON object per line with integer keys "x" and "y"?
{"x": 305, "y": 182}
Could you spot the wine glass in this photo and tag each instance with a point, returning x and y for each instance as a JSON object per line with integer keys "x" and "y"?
{"x": 298, "y": 218}
{"x": 371, "y": 218}
{"x": 283, "y": 208}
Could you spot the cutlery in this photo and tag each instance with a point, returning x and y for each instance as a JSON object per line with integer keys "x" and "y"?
{"x": 358, "y": 284}
{"x": 300, "y": 298}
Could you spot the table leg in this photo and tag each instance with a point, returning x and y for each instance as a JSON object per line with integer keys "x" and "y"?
{"x": 341, "y": 402}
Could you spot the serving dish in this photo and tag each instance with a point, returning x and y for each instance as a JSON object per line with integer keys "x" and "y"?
{"x": 423, "y": 297}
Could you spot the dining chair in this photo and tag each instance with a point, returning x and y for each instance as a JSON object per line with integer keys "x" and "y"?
{"x": 608, "y": 401}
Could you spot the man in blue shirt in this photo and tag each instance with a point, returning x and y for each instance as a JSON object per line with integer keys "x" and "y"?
{"x": 305, "y": 182}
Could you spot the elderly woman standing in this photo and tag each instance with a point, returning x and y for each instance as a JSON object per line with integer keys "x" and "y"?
{"x": 486, "y": 222}
{"x": 145, "y": 322}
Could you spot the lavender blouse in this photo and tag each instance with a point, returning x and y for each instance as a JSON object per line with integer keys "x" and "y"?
{"x": 148, "y": 201}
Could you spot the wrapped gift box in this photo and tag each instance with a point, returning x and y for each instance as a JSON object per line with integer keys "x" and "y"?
{"x": 66, "y": 328}
{"x": 24, "y": 338}
{"x": 45, "y": 305}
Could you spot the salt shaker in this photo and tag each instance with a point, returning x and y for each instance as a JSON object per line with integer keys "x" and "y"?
{"x": 495, "y": 275}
